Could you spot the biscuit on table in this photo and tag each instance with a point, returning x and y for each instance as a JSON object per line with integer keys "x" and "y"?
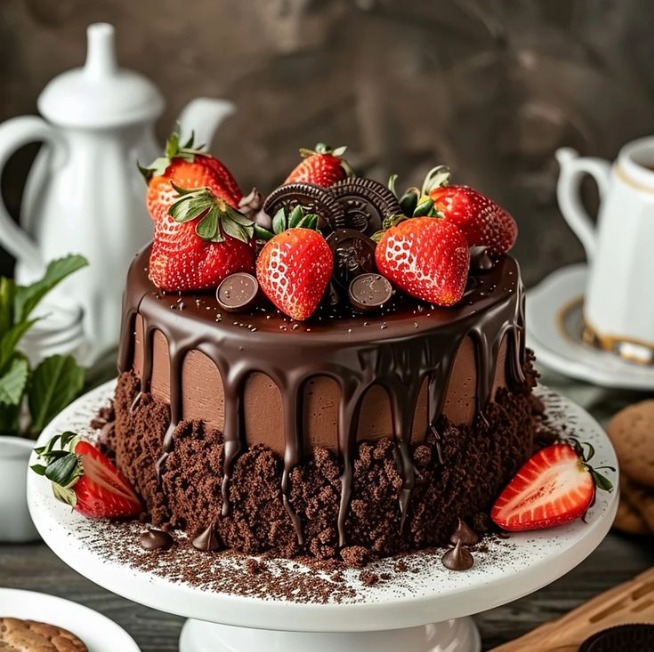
{"x": 628, "y": 518}
{"x": 31, "y": 636}
{"x": 640, "y": 498}
{"x": 632, "y": 433}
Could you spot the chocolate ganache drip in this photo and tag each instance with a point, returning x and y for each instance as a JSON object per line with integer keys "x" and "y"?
{"x": 399, "y": 350}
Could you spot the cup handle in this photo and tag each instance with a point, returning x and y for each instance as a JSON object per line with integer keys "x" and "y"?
{"x": 573, "y": 169}
{"x": 14, "y": 134}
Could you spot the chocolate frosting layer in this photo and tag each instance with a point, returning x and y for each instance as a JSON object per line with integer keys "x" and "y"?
{"x": 400, "y": 349}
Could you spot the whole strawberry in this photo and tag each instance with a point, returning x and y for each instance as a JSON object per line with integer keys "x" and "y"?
{"x": 200, "y": 241}
{"x": 85, "y": 479}
{"x": 322, "y": 166}
{"x": 186, "y": 166}
{"x": 483, "y": 222}
{"x": 426, "y": 257}
{"x": 295, "y": 264}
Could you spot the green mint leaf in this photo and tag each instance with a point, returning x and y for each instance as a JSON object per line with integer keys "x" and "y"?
{"x": 39, "y": 469}
{"x": 7, "y": 294}
{"x": 56, "y": 382}
{"x": 14, "y": 381}
{"x": 28, "y": 297}
{"x": 207, "y": 227}
{"x": 11, "y": 340}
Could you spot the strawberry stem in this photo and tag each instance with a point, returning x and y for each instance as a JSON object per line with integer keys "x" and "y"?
{"x": 436, "y": 178}
{"x": 173, "y": 150}
{"x": 281, "y": 222}
{"x": 216, "y": 217}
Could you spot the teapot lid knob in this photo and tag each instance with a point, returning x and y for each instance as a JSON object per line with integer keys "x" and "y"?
{"x": 101, "y": 94}
{"x": 101, "y": 51}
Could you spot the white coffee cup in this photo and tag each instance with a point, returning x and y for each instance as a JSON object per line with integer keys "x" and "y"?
{"x": 619, "y": 300}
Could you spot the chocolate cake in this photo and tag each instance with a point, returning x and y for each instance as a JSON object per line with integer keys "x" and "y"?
{"x": 372, "y": 427}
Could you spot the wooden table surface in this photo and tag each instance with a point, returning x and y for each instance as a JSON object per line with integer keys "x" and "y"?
{"x": 618, "y": 558}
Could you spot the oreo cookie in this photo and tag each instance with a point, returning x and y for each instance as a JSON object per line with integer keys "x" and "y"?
{"x": 314, "y": 199}
{"x": 367, "y": 203}
{"x": 354, "y": 254}
{"x": 622, "y": 638}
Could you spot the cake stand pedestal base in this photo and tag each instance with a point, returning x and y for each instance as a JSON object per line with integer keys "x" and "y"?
{"x": 456, "y": 635}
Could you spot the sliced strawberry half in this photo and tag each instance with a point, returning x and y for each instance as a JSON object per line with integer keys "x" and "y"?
{"x": 86, "y": 479}
{"x": 555, "y": 486}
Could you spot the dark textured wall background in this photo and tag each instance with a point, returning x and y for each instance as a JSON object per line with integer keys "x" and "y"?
{"x": 491, "y": 87}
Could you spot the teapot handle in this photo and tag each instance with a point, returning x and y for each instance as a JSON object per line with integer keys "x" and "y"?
{"x": 15, "y": 133}
{"x": 573, "y": 169}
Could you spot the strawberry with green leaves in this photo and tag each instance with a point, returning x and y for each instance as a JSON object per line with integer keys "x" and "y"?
{"x": 295, "y": 264}
{"x": 203, "y": 241}
{"x": 322, "y": 166}
{"x": 483, "y": 221}
{"x": 199, "y": 236}
{"x": 85, "y": 479}
{"x": 426, "y": 257}
{"x": 555, "y": 486}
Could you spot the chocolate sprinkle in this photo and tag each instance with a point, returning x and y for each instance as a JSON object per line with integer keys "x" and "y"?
{"x": 480, "y": 259}
{"x": 458, "y": 558}
{"x": 238, "y": 292}
{"x": 369, "y": 292}
{"x": 156, "y": 540}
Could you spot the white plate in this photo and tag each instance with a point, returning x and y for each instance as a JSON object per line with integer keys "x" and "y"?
{"x": 554, "y": 326}
{"x": 97, "y": 632}
{"x": 529, "y": 561}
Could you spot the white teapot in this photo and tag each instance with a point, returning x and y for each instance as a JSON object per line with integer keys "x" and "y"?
{"x": 84, "y": 193}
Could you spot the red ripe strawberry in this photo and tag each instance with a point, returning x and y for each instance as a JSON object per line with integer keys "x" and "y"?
{"x": 200, "y": 241}
{"x": 84, "y": 478}
{"x": 295, "y": 265}
{"x": 425, "y": 257}
{"x": 555, "y": 486}
{"x": 482, "y": 221}
{"x": 322, "y": 166}
{"x": 187, "y": 167}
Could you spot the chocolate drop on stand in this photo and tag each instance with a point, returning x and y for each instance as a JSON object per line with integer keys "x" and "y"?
{"x": 458, "y": 558}
{"x": 464, "y": 534}
{"x": 208, "y": 541}
{"x": 156, "y": 540}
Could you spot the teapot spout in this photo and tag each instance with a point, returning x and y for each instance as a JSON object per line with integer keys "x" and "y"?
{"x": 202, "y": 116}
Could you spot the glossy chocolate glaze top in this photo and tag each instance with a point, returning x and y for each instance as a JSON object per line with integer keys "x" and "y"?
{"x": 399, "y": 348}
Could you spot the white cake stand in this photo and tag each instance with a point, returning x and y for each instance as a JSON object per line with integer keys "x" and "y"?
{"x": 425, "y": 611}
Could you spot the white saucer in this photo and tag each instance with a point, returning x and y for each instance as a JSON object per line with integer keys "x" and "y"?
{"x": 97, "y": 632}
{"x": 554, "y": 326}
{"x": 406, "y": 602}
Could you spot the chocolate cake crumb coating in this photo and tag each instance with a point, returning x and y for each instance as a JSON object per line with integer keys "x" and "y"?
{"x": 478, "y": 461}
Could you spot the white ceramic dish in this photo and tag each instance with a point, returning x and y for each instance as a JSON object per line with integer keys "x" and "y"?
{"x": 97, "y": 632}
{"x": 554, "y": 326}
{"x": 406, "y": 602}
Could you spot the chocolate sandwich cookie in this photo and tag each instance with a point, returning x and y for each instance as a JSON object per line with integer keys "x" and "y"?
{"x": 622, "y": 638}
{"x": 314, "y": 199}
{"x": 354, "y": 254}
{"x": 367, "y": 203}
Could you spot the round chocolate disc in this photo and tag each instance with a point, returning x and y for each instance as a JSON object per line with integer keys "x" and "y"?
{"x": 366, "y": 203}
{"x": 622, "y": 638}
{"x": 238, "y": 292}
{"x": 370, "y": 292}
{"x": 354, "y": 254}
{"x": 314, "y": 199}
